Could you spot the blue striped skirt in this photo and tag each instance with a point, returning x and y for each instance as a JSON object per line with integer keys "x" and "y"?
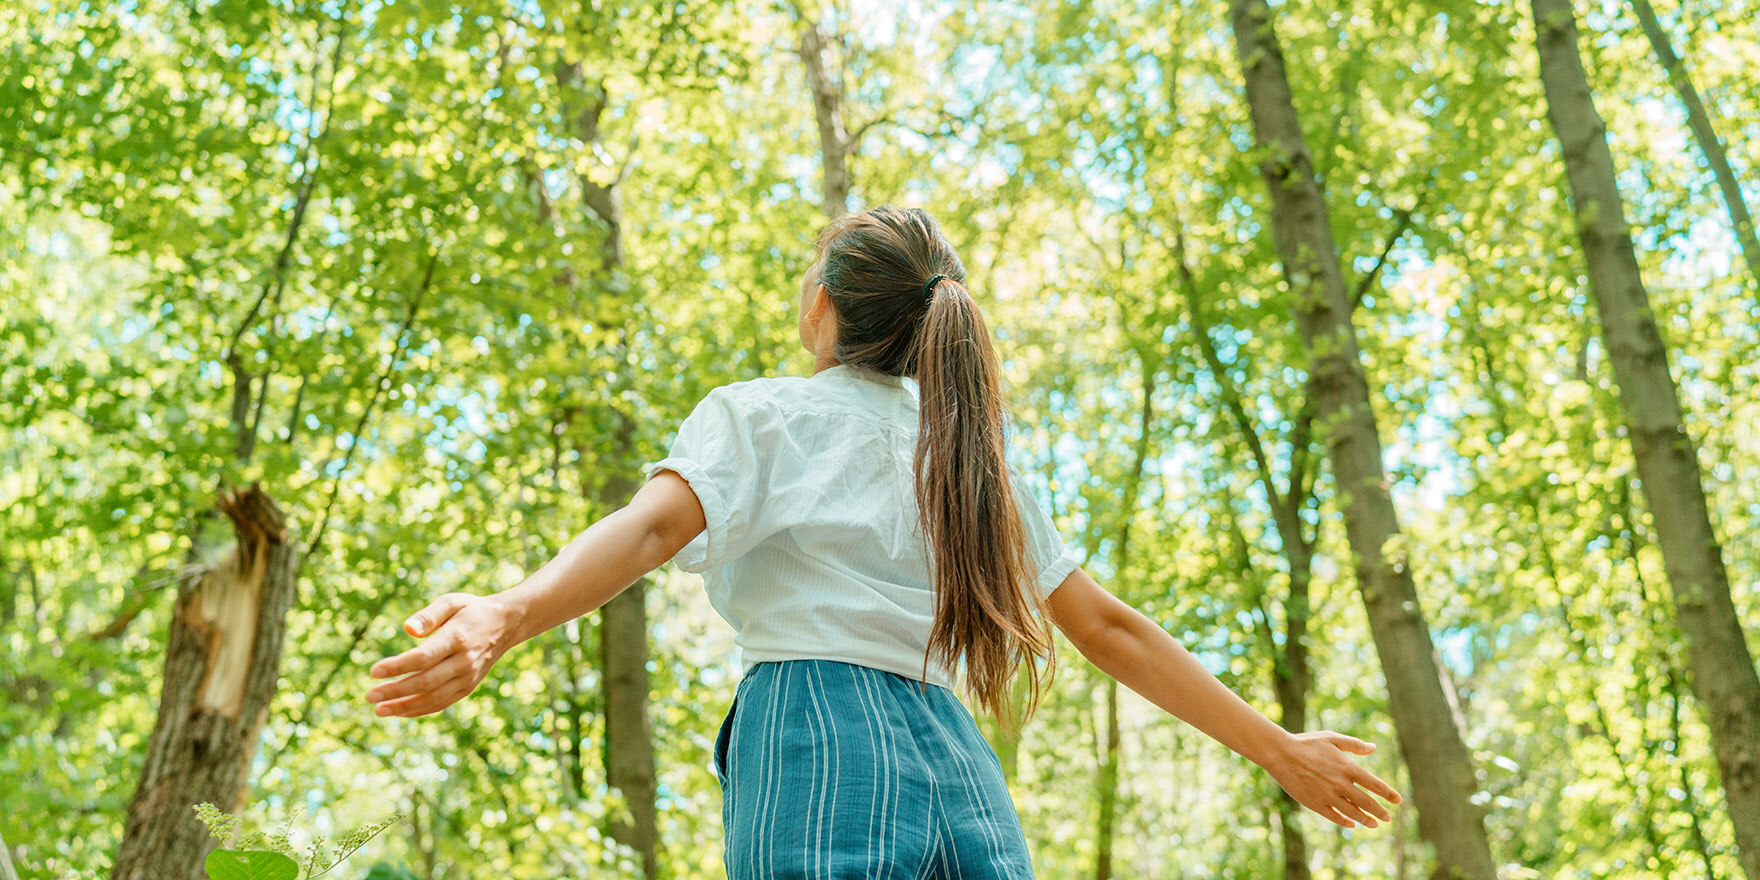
{"x": 831, "y": 770}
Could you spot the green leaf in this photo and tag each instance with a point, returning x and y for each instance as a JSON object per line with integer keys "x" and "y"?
{"x": 385, "y": 871}
{"x": 229, "y": 864}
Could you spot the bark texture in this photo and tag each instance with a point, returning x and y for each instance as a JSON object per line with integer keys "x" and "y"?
{"x": 1442, "y": 780}
{"x": 222, "y": 666}
{"x": 835, "y": 144}
{"x": 1722, "y": 669}
{"x": 623, "y": 663}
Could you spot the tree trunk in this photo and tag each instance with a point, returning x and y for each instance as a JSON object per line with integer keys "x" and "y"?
{"x": 623, "y": 658}
{"x": 1700, "y": 122}
{"x": 623, "y": 664}
{"x": 629, "y": 752}
{"x": 1723, "y": 677}
{"x": 1104, "y": 827}
{"x": 1108, "y": 783}
{"x": 1290, "y": 679}
{"x": 1290, "y": 673}
{"x": 623, "y": 631}
{"x": 221, "y": 670}
{"x": 834, "y": 140}
{"x": 1428, "y": 738}
{"x": 224, "y": 654}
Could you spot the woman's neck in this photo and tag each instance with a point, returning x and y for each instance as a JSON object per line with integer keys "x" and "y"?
{"x": 824, "y": 360}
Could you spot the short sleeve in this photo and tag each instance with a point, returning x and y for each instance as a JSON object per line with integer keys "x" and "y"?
{"x": 717, "y": 452}
{"x": 1052, "y": 560}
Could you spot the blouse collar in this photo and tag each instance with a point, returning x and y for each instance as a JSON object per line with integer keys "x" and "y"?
{"x": 860, "y": 373}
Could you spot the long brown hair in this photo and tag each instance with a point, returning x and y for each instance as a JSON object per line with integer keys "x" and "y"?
{"x": 875, "y": 266}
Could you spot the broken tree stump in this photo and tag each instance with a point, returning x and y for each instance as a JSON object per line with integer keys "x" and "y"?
{"x": 222, "y": 666}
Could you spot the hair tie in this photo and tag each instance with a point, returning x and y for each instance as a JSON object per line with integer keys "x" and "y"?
{"x": 929, "y": 286}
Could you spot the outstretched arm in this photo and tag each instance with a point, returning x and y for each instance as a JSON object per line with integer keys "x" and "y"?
{"x": 1313, "y": 767}
{"x": 467, "y": 633}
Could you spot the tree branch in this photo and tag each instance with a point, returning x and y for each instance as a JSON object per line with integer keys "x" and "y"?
{"x": 1231, "y": 396}
{"x": 1402, "y": 223}
{"x": 384, "y": 382}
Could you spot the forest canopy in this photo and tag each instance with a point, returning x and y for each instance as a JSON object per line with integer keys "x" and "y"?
{"x": 1397, "y": 358}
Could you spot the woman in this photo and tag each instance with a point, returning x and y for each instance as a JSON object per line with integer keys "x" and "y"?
{"x": 863, "y": 534}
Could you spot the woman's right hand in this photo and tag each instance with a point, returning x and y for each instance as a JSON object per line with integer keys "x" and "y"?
{"x": 465, "y": 635}
{"x": 1317, "y": 770}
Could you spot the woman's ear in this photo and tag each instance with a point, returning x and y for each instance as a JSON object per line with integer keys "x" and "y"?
{"x": 820, "y": 304}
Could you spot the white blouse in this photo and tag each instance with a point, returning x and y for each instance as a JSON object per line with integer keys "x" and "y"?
{"x": 812, "y": 548}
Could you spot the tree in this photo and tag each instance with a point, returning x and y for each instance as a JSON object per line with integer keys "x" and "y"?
{"x": 1121, "y": 559}
{"x": 221, "y": 669}
{"x": 1723, "y": 675}
{"x": 154, "y": 157}
{"x": 1704, "y": 134}
{"x": 835, "y": 143}
{"x": 623, "y": 631}
{"x": 1291, "y": 670}
{"x": 1442, "y": 777}
{"x": 223, "y": 653}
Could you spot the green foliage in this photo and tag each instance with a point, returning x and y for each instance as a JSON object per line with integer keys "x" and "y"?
{"x": 196, "y": 198}
{"x": 383, "y": 871}
{"x": 226, "y": 864}
{"x": 271, "y": 854}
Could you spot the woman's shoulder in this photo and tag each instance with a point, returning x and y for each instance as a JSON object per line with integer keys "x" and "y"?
{"x": 763, "y": 392}
{"x": 774, "y": 392}
{"x": 778, "y": 398}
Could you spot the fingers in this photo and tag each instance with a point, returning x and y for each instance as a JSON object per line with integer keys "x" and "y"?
{"x": 1360, "y": 802}
{"x": 428, "y": 619}
{"x": 430, "y": 702}
{"x": 413, "y": 660}
{"x": 422, "y": 682}
{"x": 1375, "y": 785}
{"x": 1373, "y": 813}
{"x": 1351, "y": 811}
{"x": 1352, "y": 806}
{"x": 1351, "y": 744}
{"x": 436, "y": 674}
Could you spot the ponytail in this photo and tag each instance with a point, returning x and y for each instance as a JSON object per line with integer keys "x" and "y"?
{"x": 898, "y": 292}
{"x": 985, "y": 608}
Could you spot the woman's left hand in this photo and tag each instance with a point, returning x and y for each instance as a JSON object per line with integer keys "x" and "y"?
{"x": 1317, "y": 770}
{"x": 466, "y": 634}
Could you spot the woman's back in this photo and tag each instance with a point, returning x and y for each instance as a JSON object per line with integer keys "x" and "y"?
{"x": 813, "y": 546}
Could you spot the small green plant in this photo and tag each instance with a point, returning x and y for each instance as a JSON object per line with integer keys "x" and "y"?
{"x": 270, "y": 855}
